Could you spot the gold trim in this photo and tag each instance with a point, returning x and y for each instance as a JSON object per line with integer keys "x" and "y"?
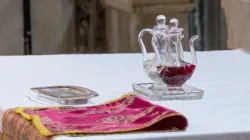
{"x": 21, "y": 111}
{"x": 41, "y": 128}
{"x": 44, "y": 131}
{"x": 117, "y": 99}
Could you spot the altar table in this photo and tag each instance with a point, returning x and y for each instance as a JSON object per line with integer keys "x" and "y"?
{"x": 222, "y": 114}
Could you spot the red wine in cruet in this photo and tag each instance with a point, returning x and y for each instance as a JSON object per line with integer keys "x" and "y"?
{"x": 176, "y": 75}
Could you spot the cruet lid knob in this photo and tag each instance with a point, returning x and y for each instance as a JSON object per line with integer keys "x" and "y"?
{"x": 174, "y": 29}
{"x": 161, "y": 20}
{"x": 161, "y": 23}
{"x": 174, "y": 23}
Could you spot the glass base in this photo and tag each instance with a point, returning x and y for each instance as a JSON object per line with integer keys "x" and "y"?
{"x": 163, "y": 92}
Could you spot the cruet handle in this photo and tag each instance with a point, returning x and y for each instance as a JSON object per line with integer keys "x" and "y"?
{"x": 192, "y": 48}
{"x": 143, "y": 48}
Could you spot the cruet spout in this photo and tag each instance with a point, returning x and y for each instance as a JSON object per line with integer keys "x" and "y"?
{"x": 192, "y": 48}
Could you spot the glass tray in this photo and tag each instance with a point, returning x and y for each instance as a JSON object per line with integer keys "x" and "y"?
{"x": 66, "y": 95}
{"x": 186, "y": 92}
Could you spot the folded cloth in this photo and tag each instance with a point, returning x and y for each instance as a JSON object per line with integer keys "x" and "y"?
{"x": 130, "y": 113}
{"x": 15, "y": 127}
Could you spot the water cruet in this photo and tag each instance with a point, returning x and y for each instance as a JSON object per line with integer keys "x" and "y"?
{"x": 150, "y": 60}
{"x": 166, "y": 66}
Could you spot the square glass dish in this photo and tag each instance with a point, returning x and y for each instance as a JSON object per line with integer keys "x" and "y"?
{"x": 185, "y": 92}
{"x": 65, "y": 95}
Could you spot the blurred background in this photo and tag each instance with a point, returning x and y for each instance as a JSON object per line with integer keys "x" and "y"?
{"x": 35, "y": 27}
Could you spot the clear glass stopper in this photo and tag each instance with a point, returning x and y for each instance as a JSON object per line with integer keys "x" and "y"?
{"x": 161, "y": 20}
{"x": 174, "y": 23}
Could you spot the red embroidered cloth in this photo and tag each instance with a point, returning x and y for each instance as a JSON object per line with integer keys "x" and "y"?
{"x": 129, "y": 113}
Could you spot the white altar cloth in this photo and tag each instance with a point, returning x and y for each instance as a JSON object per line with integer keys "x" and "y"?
{"x": 222, "y": 114}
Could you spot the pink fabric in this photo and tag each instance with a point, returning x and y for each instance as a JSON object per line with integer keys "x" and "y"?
{"x": 129, "y": 113}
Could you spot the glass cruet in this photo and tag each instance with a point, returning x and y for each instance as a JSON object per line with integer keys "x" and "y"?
{"x": 175, "y": 71}
{"x": 166, "y": 65}
{"x": 149, "y": 60}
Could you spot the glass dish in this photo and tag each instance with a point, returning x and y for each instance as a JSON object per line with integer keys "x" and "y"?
{"x": 185, "y": 92}
{"x": 65, "y": 95}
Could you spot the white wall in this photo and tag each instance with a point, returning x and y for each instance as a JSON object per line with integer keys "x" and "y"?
{"x": 52, "y": 26}
{"x": 11, "y": 27}
{"x": 238, "y": 20}
{"x": 52, "y": 29}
